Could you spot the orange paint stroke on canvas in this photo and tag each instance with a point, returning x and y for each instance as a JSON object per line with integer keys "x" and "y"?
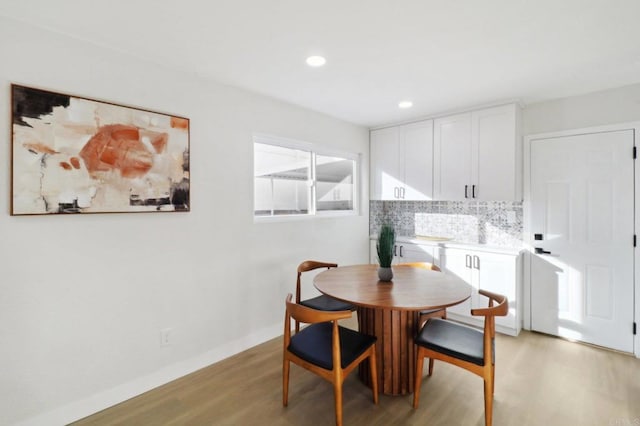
{"x": 39, "y": 147}
{"x": 118, "y": 147}
{"x": 75, "y": 162}
{"x": 160, "y": 142}
{"x": 179, "y": 123}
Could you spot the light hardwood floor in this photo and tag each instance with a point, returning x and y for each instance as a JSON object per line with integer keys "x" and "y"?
{"x": 540, "y": 380}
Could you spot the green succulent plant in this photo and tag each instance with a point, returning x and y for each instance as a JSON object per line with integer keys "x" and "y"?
{"x": 385, "y": 244}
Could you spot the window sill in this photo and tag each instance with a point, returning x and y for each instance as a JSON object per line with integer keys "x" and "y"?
{"x": 303, "y": 217}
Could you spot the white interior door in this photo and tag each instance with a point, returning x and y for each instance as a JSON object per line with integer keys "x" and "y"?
{"x": 582, "y": 208}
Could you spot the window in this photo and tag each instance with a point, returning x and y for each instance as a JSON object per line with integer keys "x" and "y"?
{"x": 334, "y": 183}
{"x": 294, "y": 178}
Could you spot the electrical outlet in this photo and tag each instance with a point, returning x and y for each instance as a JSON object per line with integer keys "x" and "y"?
{"x": 166, "y": 336}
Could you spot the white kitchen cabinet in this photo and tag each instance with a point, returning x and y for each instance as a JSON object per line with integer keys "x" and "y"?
{"x": 496, "y": 153}
{"x": 458, "y": 262}
{"x": 373, "y": 254}
{"x": 496, "y": 272}
{"x": 478, "y": 155}
{"x": 452, "y": 157}
{"x": 401, "y": 162}
{"x": 408, "y": 252}
{"x": 385, "y": 164}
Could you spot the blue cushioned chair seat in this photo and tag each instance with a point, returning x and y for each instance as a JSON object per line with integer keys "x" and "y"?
{"x": 326, "y": 303}
{"x": 456, "y": 340}
{"x": 313, "y": 344}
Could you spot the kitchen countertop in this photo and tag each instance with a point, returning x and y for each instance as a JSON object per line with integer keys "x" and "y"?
{"x": 447, "y": 243}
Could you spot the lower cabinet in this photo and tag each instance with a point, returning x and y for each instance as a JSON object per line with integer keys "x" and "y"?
{"x": 408, "y": 252}
{"x": 495, "y": 272}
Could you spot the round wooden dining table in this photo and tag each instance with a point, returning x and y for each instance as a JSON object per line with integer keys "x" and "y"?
{"x": 390, "y": 311}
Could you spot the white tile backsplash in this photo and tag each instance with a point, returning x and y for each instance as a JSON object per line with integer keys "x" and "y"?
{"x": 496, "y": 223}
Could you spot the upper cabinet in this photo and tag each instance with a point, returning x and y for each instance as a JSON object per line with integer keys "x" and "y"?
{"x": 401, "y": 162}
{"x": 452, "y": 157}
{"x": 477, "y": 155}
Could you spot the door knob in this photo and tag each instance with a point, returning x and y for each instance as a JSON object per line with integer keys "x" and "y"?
{"x": 541, "y": 251}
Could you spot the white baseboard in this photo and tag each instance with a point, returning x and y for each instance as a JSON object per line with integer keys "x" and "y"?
{"x": 100, "y": 401}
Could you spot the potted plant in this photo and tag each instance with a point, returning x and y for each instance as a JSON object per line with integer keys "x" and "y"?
{"x": 384, "y": 247}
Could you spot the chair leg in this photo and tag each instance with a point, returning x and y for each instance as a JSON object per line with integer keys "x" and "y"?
{"x": 337, "y": 393}
{"x": 285, "y": 382}
{"x": 430, "y": 366}
{"x": 418, "y": 377}
{"x": 488, "y": 402}
{"x": 373, "y": 367}
{"x": 493, "y": 379}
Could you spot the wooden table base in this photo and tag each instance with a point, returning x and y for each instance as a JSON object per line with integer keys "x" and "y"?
{"x": 395, "y": 350}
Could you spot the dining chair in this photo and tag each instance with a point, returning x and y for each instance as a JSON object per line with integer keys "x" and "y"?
{"x": 427, "y": 313}
{"x": 322, "y": 302}
{"x": 463, "y": 346}
{"x": 326, "y": 349}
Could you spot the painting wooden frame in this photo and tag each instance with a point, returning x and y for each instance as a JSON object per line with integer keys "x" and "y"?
{"x": 72, "y": 154}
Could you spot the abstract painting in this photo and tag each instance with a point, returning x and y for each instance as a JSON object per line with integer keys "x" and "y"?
{"x": 76, "y": 155}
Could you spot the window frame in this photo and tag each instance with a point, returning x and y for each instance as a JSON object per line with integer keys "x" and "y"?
{"x": 314, "y": 150}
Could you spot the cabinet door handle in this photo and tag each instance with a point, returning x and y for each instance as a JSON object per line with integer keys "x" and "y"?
{"x": 400, "y": 251}
{"x": 402, "y": 192}
{"x": 395, "y": 250}
{"x": 395, "y": 192}
{"x": 540, "y": 250}
{"x": 467, "y": 260}
{"x": 473, "y": 191}
{"x": 466, "y": 190}
{"x": 476, "y": 262}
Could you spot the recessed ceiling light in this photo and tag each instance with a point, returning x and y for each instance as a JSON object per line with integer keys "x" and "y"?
{"x": 405, "y": 104}
{"x": 316, "y": 61}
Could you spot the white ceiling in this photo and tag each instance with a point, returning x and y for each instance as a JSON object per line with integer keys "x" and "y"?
{"x": 443, "y": 55}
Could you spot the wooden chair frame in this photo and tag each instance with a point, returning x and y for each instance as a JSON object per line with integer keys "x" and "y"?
{"x": 337, "y": 375}
{"x": 440, "y": 313}
{"x": 486, "y": 371}
{"x": 306, "y": 266}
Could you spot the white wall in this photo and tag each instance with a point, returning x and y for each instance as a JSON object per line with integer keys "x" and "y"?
{"x": 83, "y": 297}
{"x": 619, "y": 105}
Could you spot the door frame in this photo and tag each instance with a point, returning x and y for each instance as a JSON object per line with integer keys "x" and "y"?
{"x": 526, "y": 211}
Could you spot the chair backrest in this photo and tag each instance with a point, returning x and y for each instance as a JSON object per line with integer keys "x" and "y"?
{"x": 310, "y": 265}
{"x": 490, "y": 314}
{"x": 307, "y": 315}
{"x": 422, "y": 265}
{"x": 500, "y": 310}
{"x": 306, "y": 266}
